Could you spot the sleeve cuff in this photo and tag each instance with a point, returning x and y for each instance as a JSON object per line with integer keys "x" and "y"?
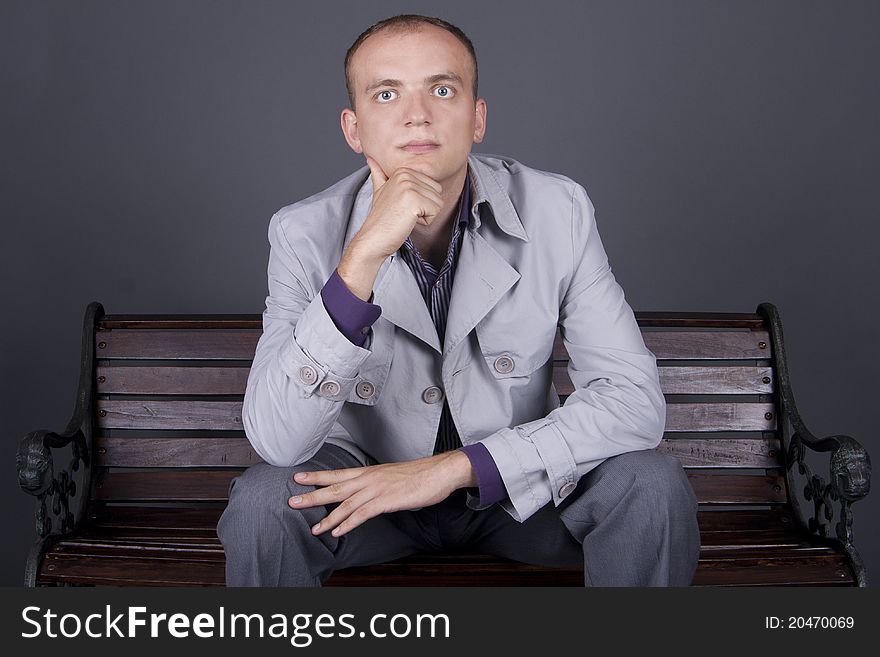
{"x": 352, "y": 315}
{"x": 489, "y": 482}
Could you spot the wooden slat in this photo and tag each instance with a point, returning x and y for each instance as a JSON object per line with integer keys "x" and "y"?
{"x": 94, "y": 536}
{"x": 693, "y": 380}
{"x": 240, "y": 344}
{"x": 171, "y": 380}
{"x": 211, "y": 321}
{"x": 697, "y": 345}
{"x": 696, "y": 319}
{"x": 767, "y": 568}
{"x": 724, "y": 452}
{"x": 175, "y": 485}
{"x": 738, "y": 489}
{"x": 199, "y": 518}
{"x": 133, "y": 452}
{"x": 176, "y": 380}
{"x": 159, "y": 414}
{"x": 137, "y": 452}
{"x": 195, "y": 321}
{"x": 130, "y": 570}
{"x": 203, "y": 520}
{"x": 226, "y": 415}
{"x": 174, "y": 345}
{"x": 720, "y": 417}
{"x": 213, "y": 485}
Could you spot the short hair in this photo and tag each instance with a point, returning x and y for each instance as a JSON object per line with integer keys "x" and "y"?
{"x": 405, "y": 24}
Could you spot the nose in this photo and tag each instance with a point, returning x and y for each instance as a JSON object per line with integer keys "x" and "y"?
{"x": 416, "y": 111}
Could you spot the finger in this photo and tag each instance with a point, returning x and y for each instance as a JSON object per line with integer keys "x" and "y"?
{"x": 378, "y": 176}
{"x": 327, "y": 477}
{"x": 332, "y": 493}
{"x": 351, "y": 506}
{"x": 426, "y": 191}
{"x": 357, "y": 518}
{"x": 423, "y": 178}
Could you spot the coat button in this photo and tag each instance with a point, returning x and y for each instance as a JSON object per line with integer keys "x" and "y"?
{"x": 330, "y": 388}
{"x": 432, "y": 395}
{"x": 504, "y": 364}
{"x": 565, "y": 490}
{"x": 365, "y": 389}
{"x": 307, "y": 374}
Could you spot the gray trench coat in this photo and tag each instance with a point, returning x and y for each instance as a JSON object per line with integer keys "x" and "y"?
{"x": 531, "y": 259}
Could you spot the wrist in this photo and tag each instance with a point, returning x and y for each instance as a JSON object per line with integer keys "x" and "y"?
{"x": 360, "y": 255}
{"x": 358, "y": 270}
{"x": 461, "y": 472}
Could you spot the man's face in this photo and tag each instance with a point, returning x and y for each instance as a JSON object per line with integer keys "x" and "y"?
{"x": 416, "y": 108}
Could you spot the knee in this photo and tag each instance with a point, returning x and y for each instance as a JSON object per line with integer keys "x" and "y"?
{"x": 258, "y": 498}
{"x": 657, "y": 479}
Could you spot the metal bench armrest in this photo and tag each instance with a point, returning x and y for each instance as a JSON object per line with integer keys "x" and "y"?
{"x": 37, "y": 474}
{"x": 849, "y": 468}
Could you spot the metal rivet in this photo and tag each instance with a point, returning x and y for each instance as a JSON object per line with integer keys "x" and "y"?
{"x": 777, "y": 487}
{"x": 102, "y": 413}
{"x": 762, "y": 345}
{"x": 768, "y": 416}
{"x": 772, "y": 452}
{"x": 52, "y": 567}
{"x": 102, "y": 345}
{"x": 102, "y": 450}
{"x": 766, "y": 379}
{"x": 102, "y": 379}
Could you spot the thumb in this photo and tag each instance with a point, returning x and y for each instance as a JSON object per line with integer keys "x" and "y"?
{"x": 376, "y": 173}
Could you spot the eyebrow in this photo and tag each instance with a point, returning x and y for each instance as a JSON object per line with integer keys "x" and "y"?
{"x": 431, "y": 79}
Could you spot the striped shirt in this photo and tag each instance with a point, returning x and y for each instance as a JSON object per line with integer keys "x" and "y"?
{"x": 354, "y": 316}
{"x": 436, "y": 289}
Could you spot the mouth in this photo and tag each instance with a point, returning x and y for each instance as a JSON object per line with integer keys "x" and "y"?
{"x": 420, "y": 147}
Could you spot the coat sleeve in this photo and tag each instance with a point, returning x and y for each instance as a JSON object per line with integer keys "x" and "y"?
{"x": 290, "y": 404}
{"x": 617, "y": 405}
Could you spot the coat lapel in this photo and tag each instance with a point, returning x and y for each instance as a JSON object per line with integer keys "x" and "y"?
{"x": 482, "y": 275}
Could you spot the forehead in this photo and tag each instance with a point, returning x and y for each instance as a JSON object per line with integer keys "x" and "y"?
{"x": 412, "y": 55}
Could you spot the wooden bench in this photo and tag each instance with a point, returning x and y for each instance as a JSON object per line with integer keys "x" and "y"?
{"x": 131, "y": 491}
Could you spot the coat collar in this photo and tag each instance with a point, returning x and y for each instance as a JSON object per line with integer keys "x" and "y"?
{"x": 487, "y": 188}
{"x": 482, "y": 274}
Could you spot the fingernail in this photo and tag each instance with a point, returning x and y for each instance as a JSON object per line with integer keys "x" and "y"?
{"x": 302, "y": 476}
{"x": 316, "y": 527}
{"x": 296, "y": 500}
{"x": 336, "y": 532}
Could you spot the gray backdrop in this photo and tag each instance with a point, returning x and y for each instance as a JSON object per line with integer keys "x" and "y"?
{"x": 730, "y": 149}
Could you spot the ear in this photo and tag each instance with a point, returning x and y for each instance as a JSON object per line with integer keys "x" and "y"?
{"x": 479, "y": 120}
{"x": 348, "y": 122}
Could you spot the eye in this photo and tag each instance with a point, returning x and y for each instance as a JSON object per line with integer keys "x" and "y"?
{"x": 449, "y": 89}
{"x": 381, "y": 93}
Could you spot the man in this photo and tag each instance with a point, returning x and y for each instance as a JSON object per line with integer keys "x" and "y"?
{"x": 401, "y": 393}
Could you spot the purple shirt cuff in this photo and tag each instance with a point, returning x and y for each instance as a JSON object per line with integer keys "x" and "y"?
{"x": 352, "y": 315}
{"x": 488, "y": 478}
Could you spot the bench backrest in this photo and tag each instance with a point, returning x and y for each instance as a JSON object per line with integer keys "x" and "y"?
{"x": 169, "y": 391}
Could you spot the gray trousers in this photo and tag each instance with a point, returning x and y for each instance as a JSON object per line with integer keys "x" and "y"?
{"x": 631, "y": 521}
